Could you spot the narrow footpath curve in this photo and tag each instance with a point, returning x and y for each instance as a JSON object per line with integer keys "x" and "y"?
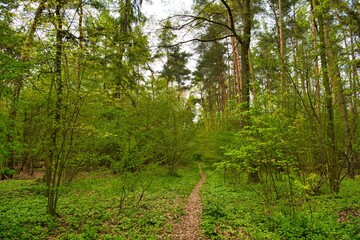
{"x": 189, "y": 226}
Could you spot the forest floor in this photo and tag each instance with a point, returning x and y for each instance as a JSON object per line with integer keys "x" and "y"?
{"x": 189, "y": 226}
{"x": 99, "y": 205}
{"x": 152, "y": 204}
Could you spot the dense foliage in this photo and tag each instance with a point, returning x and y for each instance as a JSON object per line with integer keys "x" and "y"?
{"x": 236, "y": 210}
{"x": 272, "y": 106}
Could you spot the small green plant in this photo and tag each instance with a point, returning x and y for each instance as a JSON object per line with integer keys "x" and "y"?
{"x": 7, "y": 171}
{"x": 243, "y": 211}
{"x": 89, "y": 205}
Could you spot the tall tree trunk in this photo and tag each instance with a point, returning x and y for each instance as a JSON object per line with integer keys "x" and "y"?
{"x": 244, "y": 40}
{"x": 252, "y": 74}
{"x": 125, "y": 24}
{"x": 229, "y": 81}
{"x": 237, "y": 69}
{"x": 332, "y": 164}
{"x": 223, "y": 96}
{"x": 354, "y": 84}
{"x": 282, "y": 54}
{"x": 340, "y": 98}
{"x": 80, "y": 12}
{"x": 53, "y": 175}
{"x": 24, "y": 56}
{"x": 316, "y": 62}
{"x": 245, "y": 72}
{"x": 245, "y": 64}
{"x": 355, "y": 77}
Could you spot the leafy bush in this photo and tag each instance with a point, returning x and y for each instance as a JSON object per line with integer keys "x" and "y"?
{"x": 243, "y": 211}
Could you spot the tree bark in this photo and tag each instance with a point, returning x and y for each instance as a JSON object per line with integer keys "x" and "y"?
{"x": 316, "y": 63}
{"x": 333, "y": 171}
{"x": 245, "y": 65}
{"x": 354, "y": 84}
{"x": 252, "y": 73}
{"x": 223, "y": 96}
{"x": 53, "y": 165}
{"x": 24, "y": 56}
{"x": 340, "y": 98}
{"x": 237, "y": 68}
{"x": 244, "y": 41}
{"x": 282, "y": 55}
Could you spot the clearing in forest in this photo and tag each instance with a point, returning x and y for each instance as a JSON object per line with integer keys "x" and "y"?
{"x": 189, "y": 225}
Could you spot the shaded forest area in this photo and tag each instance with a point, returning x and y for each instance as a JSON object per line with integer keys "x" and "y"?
{"x": 107, "y": 146}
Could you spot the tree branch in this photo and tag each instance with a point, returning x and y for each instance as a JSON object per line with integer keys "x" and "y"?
{"x": 232, "y": 23}
{"x": 196, "y": 40}
{"x": 195, "y": 18}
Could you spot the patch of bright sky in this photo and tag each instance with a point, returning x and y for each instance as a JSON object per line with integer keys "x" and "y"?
{"x": 158, "y": 10}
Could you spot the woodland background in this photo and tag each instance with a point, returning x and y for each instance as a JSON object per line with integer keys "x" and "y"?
{"x": 271, "y": 108}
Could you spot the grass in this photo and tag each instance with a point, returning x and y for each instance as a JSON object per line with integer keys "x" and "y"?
{"x": 91, "y": 207}
{"x": 98, "y": 205}
{"x": 237, "y": 210}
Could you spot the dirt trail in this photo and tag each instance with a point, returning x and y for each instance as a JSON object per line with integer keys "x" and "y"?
{"x": 189, "y": 226}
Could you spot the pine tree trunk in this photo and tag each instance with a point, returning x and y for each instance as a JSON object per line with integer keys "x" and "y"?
{"x": 354, "y": 161}
{"x": 333, "y": 171}
{"x": 282, "y": 55}
{"x": 340, "y": 98}
{"x": 245, "y": 65}
{"x": 237, "y": 70}
{"x": 316, "y": 64}
{"x": 252, "y": 74}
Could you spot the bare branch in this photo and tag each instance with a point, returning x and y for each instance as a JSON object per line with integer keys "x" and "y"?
{"x": 196, "y": 40}
{"x": 195, "y": 18}
{"x": 232, "y": 23}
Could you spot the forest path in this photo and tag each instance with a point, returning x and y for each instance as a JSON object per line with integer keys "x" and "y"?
{"x": 189, "y": 226}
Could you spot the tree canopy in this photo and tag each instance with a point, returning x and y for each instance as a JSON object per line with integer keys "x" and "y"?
{"x": 274, "y": 92}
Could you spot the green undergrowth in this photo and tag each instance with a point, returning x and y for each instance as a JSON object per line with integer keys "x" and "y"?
{"x": 237, "y": 210}
{"x": 98, "y": 205}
